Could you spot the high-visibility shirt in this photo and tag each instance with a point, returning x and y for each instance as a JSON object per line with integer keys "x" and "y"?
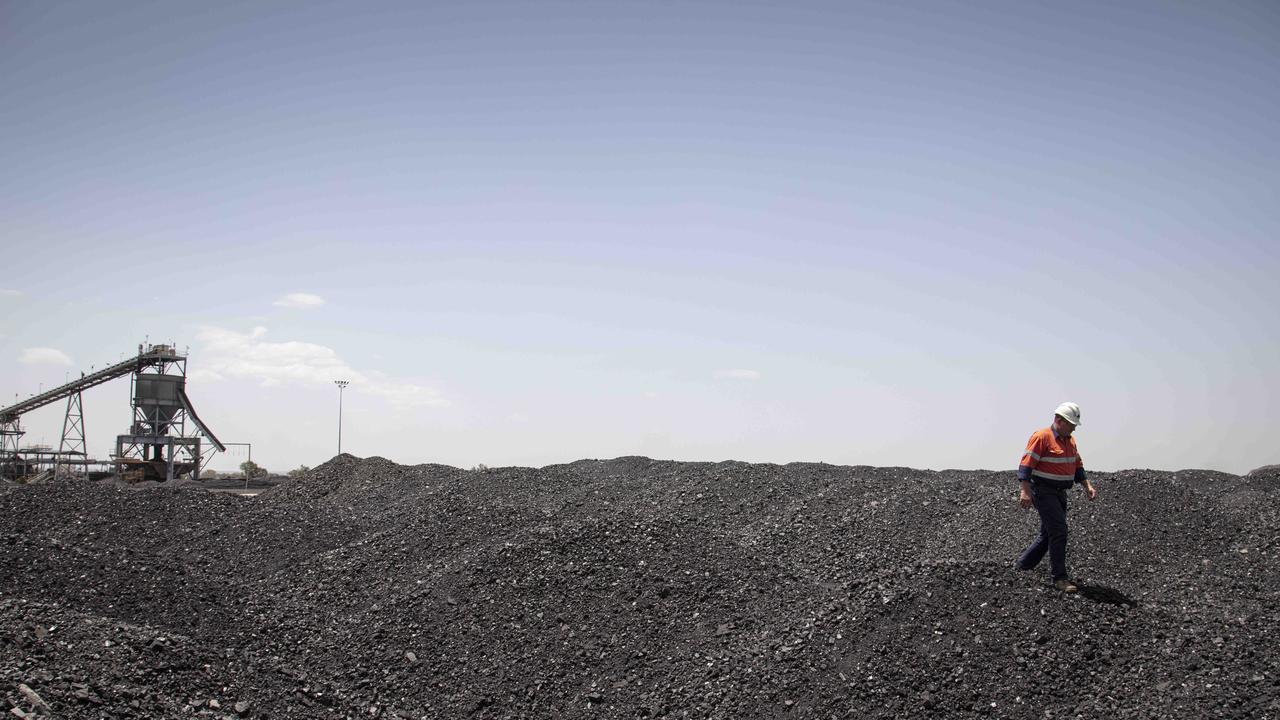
{"x": 1051, "y": 460}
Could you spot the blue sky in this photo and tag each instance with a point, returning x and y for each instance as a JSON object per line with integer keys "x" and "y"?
{"x": 860, "y": 233}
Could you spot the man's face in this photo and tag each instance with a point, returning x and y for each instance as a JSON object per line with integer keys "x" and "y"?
{"x": 1063, "y": 427}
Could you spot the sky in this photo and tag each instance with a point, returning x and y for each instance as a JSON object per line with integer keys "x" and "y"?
{"x": 891, "y": 234}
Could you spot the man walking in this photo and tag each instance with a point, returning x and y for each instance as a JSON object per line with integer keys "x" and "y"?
{"x": 1050, "y": 465}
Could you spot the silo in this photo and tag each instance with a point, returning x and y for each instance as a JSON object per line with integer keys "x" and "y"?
{"x": 157, "y": 400}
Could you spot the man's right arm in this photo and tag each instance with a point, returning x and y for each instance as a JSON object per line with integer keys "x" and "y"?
{"x": 1024, "y": 474}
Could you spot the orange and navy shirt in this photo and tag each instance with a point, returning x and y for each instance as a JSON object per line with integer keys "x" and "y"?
{"x": 1051, "y": 460}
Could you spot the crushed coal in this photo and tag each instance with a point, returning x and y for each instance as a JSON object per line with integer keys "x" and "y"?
{"x": 634, "y": 588}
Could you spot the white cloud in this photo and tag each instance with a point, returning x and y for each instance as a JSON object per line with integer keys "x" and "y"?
{"x": 738, "y": 374}
{"x": 205, "y": 375}
{"x": 43, "y": 356}
{"x": 227, "y": 354}
{"x": 11, "y": 293}
{"x": 301, "y": 301}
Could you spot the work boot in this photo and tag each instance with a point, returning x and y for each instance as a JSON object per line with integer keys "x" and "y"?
{"x": 1064, "y": 585}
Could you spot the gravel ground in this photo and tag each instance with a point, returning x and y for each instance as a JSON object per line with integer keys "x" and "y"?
{"x": 633, "y": 588}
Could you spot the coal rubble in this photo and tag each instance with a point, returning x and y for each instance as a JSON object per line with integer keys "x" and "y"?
{"x": 632, "y": 588}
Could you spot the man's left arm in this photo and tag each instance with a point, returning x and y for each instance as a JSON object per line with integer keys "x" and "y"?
{"x": 1080, "y": 477}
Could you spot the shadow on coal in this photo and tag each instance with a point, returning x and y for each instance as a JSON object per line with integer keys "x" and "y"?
{"x": 1108, "y": 595}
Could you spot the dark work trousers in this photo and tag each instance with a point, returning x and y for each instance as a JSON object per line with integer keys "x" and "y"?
{"x": 1052, "y": 506}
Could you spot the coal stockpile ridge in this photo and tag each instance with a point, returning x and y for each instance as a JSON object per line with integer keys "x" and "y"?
{"x": 632, "y": 588}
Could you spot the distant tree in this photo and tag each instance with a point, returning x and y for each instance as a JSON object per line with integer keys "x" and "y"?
{"x": 299, "y": 472}
{"x": 209, "y": 474}
{"x": 252, "y": 469}
{"x": 480, "y": 468}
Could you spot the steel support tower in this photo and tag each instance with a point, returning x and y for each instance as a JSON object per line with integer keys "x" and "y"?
{"x": 73, "y": 440}
{"x": 157, "y": 442}
{"x": 12, "y": 464}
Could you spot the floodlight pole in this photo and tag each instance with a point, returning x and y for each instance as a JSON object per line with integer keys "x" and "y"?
{"x": 342, "y": 385}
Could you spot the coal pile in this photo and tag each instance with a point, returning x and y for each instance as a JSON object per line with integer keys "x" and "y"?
{"x": 632, "y": 588}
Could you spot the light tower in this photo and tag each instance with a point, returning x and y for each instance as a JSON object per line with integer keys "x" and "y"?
{"x": 342, "y": 385}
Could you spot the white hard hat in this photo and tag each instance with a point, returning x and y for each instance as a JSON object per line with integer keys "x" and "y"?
{"x": 1070, "y": 412}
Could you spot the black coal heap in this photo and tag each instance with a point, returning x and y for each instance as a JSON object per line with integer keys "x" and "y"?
{"x": 632, "y": 588}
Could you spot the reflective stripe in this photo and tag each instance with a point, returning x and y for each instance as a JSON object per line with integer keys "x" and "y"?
{"x": 1052, "y": 476}
{"x": 1040, "y": 458}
